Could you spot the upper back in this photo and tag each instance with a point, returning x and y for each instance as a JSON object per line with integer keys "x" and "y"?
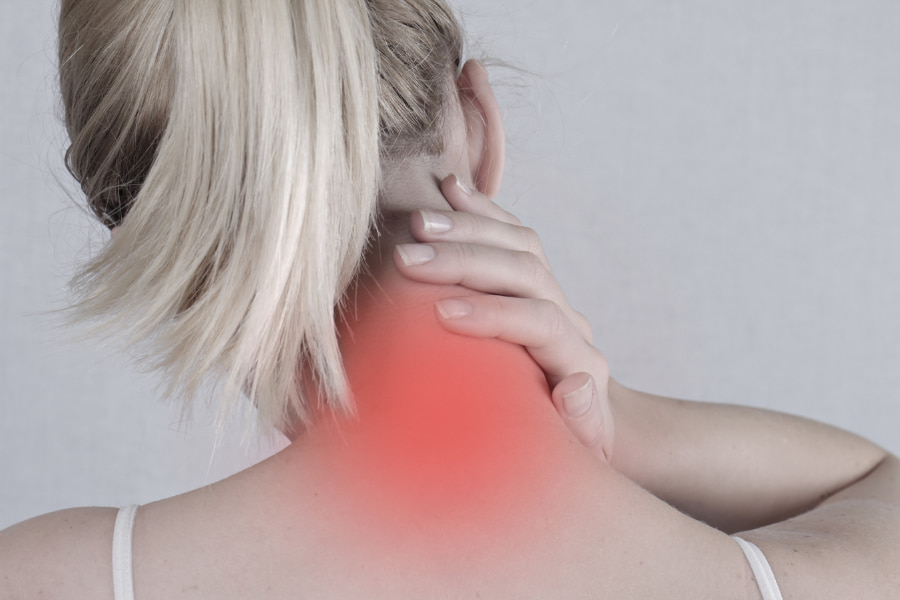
{"x": 438, "y": 489}
{"x": 600, "y": 536}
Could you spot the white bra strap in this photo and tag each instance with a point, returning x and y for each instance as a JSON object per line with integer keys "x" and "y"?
{"x": 123, "y": 578}
{"x": 765, "y": 578}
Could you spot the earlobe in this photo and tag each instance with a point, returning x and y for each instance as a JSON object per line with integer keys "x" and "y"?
{"x": 484, "y": 128}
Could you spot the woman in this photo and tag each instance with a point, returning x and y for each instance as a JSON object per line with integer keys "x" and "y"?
{"x": 260, "y": 164}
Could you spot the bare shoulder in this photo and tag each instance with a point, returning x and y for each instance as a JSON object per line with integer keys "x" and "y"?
{"x": 64, "y": 554}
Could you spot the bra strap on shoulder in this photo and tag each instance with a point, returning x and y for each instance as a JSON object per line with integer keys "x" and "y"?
{"x": 123, "y": 577}
{"x": 765, "y": 578}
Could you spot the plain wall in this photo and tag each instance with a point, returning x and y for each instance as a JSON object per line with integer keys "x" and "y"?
{"x": 715, "y": 184}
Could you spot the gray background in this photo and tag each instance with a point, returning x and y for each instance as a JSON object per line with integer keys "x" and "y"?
{"x": 715, "y": 183}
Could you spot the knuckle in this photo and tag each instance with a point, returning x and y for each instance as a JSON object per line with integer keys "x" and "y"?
{"x": 515, "y": 220}
{"x": 467, "y": 255}
{"x": 499, "y": 314}
{"x": 531, "y": 240}
{"x": 584, "y": 326}
{"x": 533, "y": 266}
{"x": 601, "y": 366}
{"x": 560, "y": 327}
{"x": 476, "y": 227}
{"x": 554, "y": 319}
{"x": 496, "y": 304}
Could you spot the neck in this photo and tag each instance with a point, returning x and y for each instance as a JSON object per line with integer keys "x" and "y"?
{"x": 448, "y": 429}
{"x": 409, "y": 185}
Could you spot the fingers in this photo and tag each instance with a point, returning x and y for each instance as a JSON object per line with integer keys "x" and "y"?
{"x": 483, "y": 268}
{"x": 577, "y": 373}
{"x": 461, "y": 197}
{"x": 539, "y": 325}
{"x": 577, "y": 401}
{"x": 485, "y": 248}
{"x": 499, "y": 268}
{"x": 467, "y": 227}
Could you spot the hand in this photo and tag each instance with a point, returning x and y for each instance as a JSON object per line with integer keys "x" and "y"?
{"x": 487, "y": 249}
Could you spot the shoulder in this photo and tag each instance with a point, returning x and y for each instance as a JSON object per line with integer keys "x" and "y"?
{"x": 64, "y": 554}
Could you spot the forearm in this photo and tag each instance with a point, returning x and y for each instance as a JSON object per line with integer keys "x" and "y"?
{"x": 847, "y": 547}
{"x": 733, "y": 467}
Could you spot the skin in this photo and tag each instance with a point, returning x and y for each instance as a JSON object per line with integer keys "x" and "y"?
{"x": 684, "y": 452}
{"x": 601, "y": 528}
{"x": 724, "y": 465}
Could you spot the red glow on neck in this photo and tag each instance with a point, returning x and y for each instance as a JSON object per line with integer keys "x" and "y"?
{"x": 443, "y": 441}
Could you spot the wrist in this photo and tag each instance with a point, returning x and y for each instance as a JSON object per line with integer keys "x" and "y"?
{"x": 632, "y": 441}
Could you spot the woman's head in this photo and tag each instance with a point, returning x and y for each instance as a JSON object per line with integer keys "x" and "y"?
{"x": 237, "y": 146}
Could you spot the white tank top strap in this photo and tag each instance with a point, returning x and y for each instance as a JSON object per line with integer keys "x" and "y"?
{"x": 123, "y": 578}
{"x": 765, "y": 578}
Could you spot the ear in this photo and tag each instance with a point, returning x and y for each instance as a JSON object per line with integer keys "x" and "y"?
{"x": 484, "y": 128}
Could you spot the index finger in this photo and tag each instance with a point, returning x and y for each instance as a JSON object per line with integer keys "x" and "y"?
{"x": 462, "y": 197}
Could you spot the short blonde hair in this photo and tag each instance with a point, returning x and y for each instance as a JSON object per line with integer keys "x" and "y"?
{"x": 237, "y": 147}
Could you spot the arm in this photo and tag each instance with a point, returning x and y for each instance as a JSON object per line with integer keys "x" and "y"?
{"x": 64, "y": 554}
{"x": 733, "y": 467}
{"x": 847, "y": 547}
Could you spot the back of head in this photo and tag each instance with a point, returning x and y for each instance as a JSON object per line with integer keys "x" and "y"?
{"x": 236, "y": 147}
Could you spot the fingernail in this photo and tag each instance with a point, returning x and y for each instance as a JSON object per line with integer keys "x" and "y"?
{"x": 453, "y": 309}
{"x": 578, "y": 402}
{"x": 415, "y": 254}
{"x": 435, "y": 222}
{"x": 465, "y": 189}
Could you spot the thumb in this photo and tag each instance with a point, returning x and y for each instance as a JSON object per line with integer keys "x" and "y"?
{"x": 576, "y": 401}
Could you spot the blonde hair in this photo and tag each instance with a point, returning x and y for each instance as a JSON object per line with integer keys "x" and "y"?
{"x": 237, "y": 147}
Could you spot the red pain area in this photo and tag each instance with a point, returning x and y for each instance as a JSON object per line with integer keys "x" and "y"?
{"x": 454, "y": 436}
